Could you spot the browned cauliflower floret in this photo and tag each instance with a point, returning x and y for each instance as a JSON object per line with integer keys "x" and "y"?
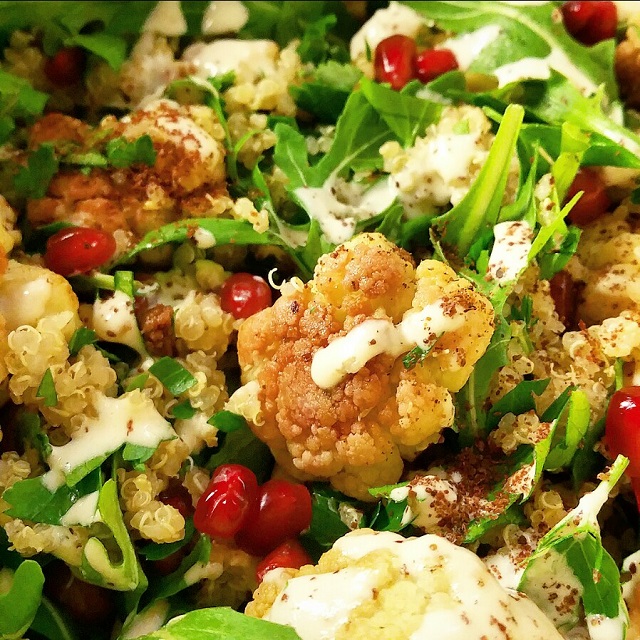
{"x": 337, "y": 399}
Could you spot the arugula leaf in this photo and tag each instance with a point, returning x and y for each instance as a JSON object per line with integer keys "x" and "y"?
{"x": 314, "y": 46}
{"x": 326, "y": 523}
{"x": 479, "y": 209}
{"x": 173, "y": 376}
{"x": 221, "y": 623}
{"x": 47, "y": 389}
{"x": 155, "y": 551}
{"x": 573, "y": 423}
{"x": 109, "y": 47}
{"x": 123, "y": 153}
{"x": 242, "y": 447}
{"x": 326, "y": 94}
{"x": 517, "y": 401}
{"x": 51, "y": 623}
{"x": 575, "y": 543}
{"x": 97, "y": 566}
{"x": 227, "y": 421}
{"x": 525, "y": 31}
{"x": 18, "y": 606}
{"x": 33, "y": 180}
{"x": 30, "y": 499}
{"x": 406, "y": 115}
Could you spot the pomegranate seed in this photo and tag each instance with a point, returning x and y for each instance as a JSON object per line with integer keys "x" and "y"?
{"x": 590, "y": 22}
{"x": 284, "y": 511}
{"x": 227, "y": 502}
{"x": 66, "y": 67}
{"x": 563, "y": 292}
{"x": 244, "y": 294}
{"x": 178, "y": 497}
{"x": 394, "y": 61}
{"x": 593, "y": 203}
{"x": 622, "y": 428}
{"x": 432, "y": 63}
{"x": 289, "y": 555}
{"x": 77, "y": 250}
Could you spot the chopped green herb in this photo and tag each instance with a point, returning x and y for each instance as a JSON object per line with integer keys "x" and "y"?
{"x": 183, "y": 410}
{"x": 227, "y": 421}
{"x": 414, "y": 357}
{"x": 47, "y": 390}
{"x": 81, "y": 338}
{"x": 174, "y": 377}
{"x": 138, "y": 382}
{"x": 33, "y": 180}
{"x": 122, "y": 153}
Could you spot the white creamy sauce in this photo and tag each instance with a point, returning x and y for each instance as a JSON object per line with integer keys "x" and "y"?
{"x": 602, "y": 628}
{"x": 505, "y": 570}
{"x": 220, "y": 56}
{"x": 540, "y": 69}
{"x": 166, "y": 19}
{"x": 25, "y": 302}
{"x": 626, "y": 9}
{"x": 316, "y": 606}
{"x": 468, "y": 46}
{"x": 348, "y": 354}
{"x": 204, "y": 239}
{"x": 147, "y": 621}
{"x": 481, "y": 606}
{"x": 114, "y": 319}
{"x": 510, "y": 253}
{"x": 338, "y": 219}
{"x": 224, "y": 17}
{"x": 631, "y": 566}
{"x": 395, "y": 19}
{"x": 83, "y": 512}
{"x": 130, "y": 418}
{"x": 421, "y": 495}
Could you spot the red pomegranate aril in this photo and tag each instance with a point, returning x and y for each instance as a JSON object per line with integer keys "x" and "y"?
{"x": 243, "y": 294}
{"x": 228, "y": 501}
{"x": 66, "y": 67}
{"x": 622, "y": 428}
{"x": 77, "y": 250}
{"x": 563, "y": 292}
{"x": 289, "y": 555}
{"x": 432, "y": 63}
{"x": 394, "y": 61}
{"x": 177, "y": 496}
{"x": 593, "y": 203}
{"x": 590, "y": 22}
{"x": 284, "y": 511}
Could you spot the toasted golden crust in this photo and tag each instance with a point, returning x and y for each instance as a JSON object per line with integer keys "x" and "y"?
{"x": 356, "y": 433}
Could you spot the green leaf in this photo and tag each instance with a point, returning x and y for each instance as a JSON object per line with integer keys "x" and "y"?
{"x": 479, "y": 209}
{"x": 137, "y": 382}
{"x": 576, "y": 541}
{"x": 33, "y": 180}
{"x": 227, "y": 421}
{"x": 517, "y": 401}
{"x": 123, "y": 281}
{"x": 123, "y": 153}
{"x": 31, "y": 500}
{"x": 97, "y": 566}
{"x": 221, "y": 623}
{"x": 47, "y": 389}
{"x": 173, "y": 376}
{"x": 406, "y": 115}
{"x": 19, "y": 605}
{"x": 30, "y": 431}
{"x": 52, "y": 624}
{"x": 326, "y": 524}
{"x": 155, "y": 551}
{"x": 137, "y": 453}
{"x": 526, "y": 31}
{"x": 81, "y": 338}
{"x": 314, "y": 46}
{"x": 109, "y": 47}
{"x": 183, "y": 410}
{"x": 242, "y": 447}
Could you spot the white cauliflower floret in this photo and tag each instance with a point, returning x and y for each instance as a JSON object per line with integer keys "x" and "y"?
{"x": 374, "y": 585}
{"x": 332, "y": 396}
{"x": 441, "y": 167}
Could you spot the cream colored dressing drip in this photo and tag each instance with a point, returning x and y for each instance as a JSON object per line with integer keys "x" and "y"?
{"x": 166, "y": 19}
{"x": 468, "y": 46}
{"x": 224, "y": 17}
{"x": 316, "y": 606}
{"x": 349, "y": 353}
{"x": 131, "y": 418}
{"x": 510, "y": 253}
{"x": 83, "y": 512}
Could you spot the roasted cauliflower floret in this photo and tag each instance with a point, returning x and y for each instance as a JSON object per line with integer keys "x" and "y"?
{"x": 374, "y": 584}
{"x": 329, "y": 384}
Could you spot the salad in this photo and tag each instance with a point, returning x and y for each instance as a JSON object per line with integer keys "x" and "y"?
{"x": 319, "y": 320}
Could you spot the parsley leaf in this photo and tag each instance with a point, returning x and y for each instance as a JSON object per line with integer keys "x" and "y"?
{"x": 123, "y": 153}
{"x": 47, "y": 389}
{"x": 227, "y": 421}
{"x": 173, "y": 376}
{"x": 81, "y": 338}
{"x": 33, "y": 180}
